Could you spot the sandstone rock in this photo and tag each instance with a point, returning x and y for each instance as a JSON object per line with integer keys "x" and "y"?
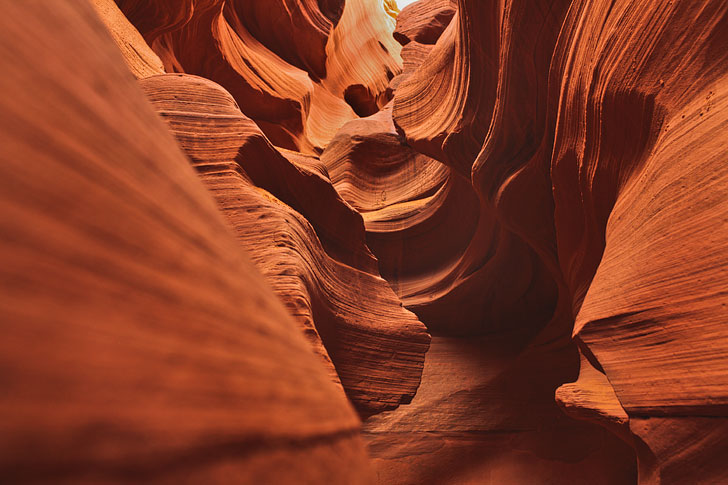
{"x": 296, "y": 31}
{"x": 287, "y": 63}
{"x": 376, "y": 346}
{"x": 409, "y": 202}
{"x": 449, "y": 99}
{"x": 139, "y": 342}
{"x": 139, "y": 57}
{"x": 642, "y": 249}
{"x": 587, "y": 168}
{"x": 363, "y": 56}
{"x": 424, "y": 21}
{"x": 541, "y": 182}
{"x": 485, "y": 414}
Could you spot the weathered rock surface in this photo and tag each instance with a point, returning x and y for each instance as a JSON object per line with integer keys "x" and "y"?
{"x": 139, "y": 57}
{"x": 409, "y": 202}
{"x": 139, "y": 342}
{"x": 376, "y": 346}
{"x": 424, "y": 21}
{"x": 287, "y": 63}
{"x": 485, "y": 414}
{"x": 542, "y": 183}
{"x": 601, "y": 129}
{"x": 643, "y": 251}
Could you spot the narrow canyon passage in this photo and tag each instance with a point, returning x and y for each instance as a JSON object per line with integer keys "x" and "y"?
{"x": 364, "y": 242}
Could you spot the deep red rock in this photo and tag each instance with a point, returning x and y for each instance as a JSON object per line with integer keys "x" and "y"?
{"x": 287, "y": 63}
{"x": 641, "y": 250}
{"x": 376, "y": 346}
{"x": 598, "y": 156}
{"x": 139, "y": 342}
{"x": 542, "y": 183}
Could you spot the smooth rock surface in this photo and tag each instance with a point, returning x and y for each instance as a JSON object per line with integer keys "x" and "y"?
{"x": 540, "y": 184}
{"x": 376, "y": 346}
{"x": 140, "y": 344}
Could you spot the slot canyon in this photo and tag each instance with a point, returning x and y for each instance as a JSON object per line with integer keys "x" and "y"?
{"x": 355, "y": 242}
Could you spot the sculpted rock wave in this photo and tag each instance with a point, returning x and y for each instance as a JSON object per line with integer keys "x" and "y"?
{"x": 287, "y": 63}
{"x": 540, "y": 184}
{"x": 139, "y": 341}
{"x": 376, "y": 346}
{"x": 598, "y": 133}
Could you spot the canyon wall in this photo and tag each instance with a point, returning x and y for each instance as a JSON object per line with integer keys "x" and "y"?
{"x": 325, "y": 241}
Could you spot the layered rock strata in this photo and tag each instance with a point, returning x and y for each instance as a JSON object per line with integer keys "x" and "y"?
{"x": 290, "y": 65}
{"x": 376, "y": 346}
{"x": 140, "y": 344}
{"x": 541, "y": 183}
{"x": 602, "y": 135}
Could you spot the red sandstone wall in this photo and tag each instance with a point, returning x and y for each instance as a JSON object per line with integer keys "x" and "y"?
{"x": 539, "y": 186}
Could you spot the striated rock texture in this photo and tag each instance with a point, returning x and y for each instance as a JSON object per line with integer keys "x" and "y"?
{"x": 540, "y": 184}
{"x": 424, "y": 21}
{"x": 643, "y": 251}
{"x": 485, "y": 414}
{"x": 139, "y": 57}
{"x": 376, "y": 346}
{"x": 290, "y": 64}
{"x": 599, "y": 137}
{"x": 139, "y": 342}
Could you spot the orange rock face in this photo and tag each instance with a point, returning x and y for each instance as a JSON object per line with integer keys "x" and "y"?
{"x": 139, "y": 341}
{"x": 598, "y": 150}
{"x": 325, "y": 241}
{"x": 289, "y": 64}
{"x": 375, "y": 345}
